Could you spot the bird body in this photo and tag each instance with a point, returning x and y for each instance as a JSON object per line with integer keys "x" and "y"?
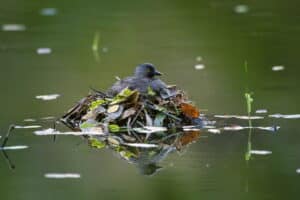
{"x": 144, "y": 77}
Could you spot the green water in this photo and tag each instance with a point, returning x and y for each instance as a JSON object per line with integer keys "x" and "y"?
{"x": 170, "y": 34}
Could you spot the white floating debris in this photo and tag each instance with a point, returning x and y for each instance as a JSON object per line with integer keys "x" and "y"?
{"x": 17, "y": 147}
{"x": 43, "y": 50}
{"x": 278, "y": 68}
{"x": 150, "y": 129}
{"x": 13, "y": 27}
{"x": 51, "y": 131}
{"x": 27, "y": 127}
{"x": 293, "y": 116}
{"x": 261, "y": 111}
{"x": 199, "y": 66}
{"x": 29, "y": 120}
{"x": 198, "y": 58}
{"x": 47, "y": 97}
{"x": 48, "y": 11}
{"x": 241, "y": 9}
{"x": 61, "y": 175}
{"x": 260, "y": 152}
{"x": 238, "y": 117}
{"x": 214, "y": 131}
{"x": 298, "y": 171}
{"x": 141, "y": 145}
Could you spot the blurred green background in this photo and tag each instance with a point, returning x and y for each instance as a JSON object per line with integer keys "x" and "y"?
{"x": 171, "y": 35}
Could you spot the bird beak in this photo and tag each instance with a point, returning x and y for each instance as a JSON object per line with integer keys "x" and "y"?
{"x": 157, "y": 73}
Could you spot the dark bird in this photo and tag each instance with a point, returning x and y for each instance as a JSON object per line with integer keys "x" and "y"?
{"x": 145, "y": 76}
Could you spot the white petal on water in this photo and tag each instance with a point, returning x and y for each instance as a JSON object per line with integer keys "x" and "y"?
{"x": 261, "y": 152}
{"x": 298, "y": 171}
{"x": 17, "y": 147}
{"x": 278, "y": 68}
{"x": 141, "y": 145}
{"x": 13, "y": 27}
{"x": 27, "y": 127}
{"x": 51, "y": 131}
{"x": 47, "y": 97}
{"x": 292, "y": 116}
{"x": 214, "y": 131}
{"x": 199, "y": 66}
{"x": 261, "y": 111}
{"x": 43, "y": 50}
{"x": 62, "y": 175}
{"x": 29, "y": 120}
{"x": 241, "y": 9}
{"x": 48, "y": 11}
{"x": 238, "y": 117}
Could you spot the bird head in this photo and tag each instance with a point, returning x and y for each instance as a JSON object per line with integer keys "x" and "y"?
{"x": 146, "y": 70}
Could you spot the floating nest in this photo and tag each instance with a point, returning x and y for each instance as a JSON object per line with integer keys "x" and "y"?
{"x": 142, "y": 128}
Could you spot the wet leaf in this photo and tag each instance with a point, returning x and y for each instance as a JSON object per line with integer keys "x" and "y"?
{"x": 150, "y": 91}
{"x": 113, "y": 108}
{"x": 124, "y": 95}
{"x": 90, "y": 115}
{"x": 96, "y": 143}
{"x": 114, "y": 128}
{"x": 189, "y": 110}
{"x": 149, "y": 121}
{"x": 129, "y": 112}
{"x": 88, "y": 124}
{"x": 113, "y": 141}
{"x": 159, "y": 119}
{"x": 127, "y": 154}
{"x": 95, "y": 104}
{"x": 118, "y": 110}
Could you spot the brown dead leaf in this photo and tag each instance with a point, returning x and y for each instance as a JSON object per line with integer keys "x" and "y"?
{"x": 129, "y": 112}
{"x": 189, "y": 110}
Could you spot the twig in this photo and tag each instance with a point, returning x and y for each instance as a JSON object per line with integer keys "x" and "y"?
{"x": 10, "y": 128}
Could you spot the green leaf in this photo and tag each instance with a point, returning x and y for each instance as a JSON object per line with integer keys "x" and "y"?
{"x": 150, "y": 91}
{"x": 96, "y": 103}
{"x": 249, "y": 101}
{"x": 127, "y": 154}
{"x": 114, "y": 128}
{"x": 87, "y": 124}
{"x": 96, "y": 143}
{"x": 159, "y": 119}
{"x": 123, "y": 95}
